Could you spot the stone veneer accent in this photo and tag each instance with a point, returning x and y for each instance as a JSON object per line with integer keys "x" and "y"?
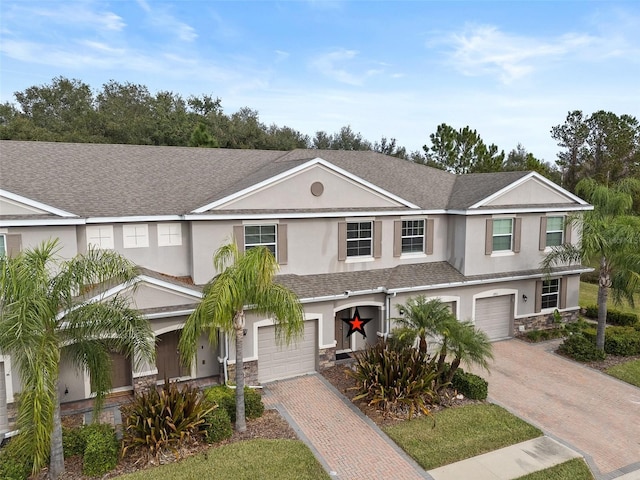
{"x": 144, "y": 384}
{"x": 542, "y": 321}
{"x": 326, "y": 358}
{"x": 250, "y": 372}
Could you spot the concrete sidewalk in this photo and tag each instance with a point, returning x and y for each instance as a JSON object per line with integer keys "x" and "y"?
{"x": 509, "y": 462}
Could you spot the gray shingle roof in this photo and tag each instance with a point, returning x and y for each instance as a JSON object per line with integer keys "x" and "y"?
{"x": 98, "y": 180}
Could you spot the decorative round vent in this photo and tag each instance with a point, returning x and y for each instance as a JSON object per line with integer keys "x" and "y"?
{"x": 316, "y": 189}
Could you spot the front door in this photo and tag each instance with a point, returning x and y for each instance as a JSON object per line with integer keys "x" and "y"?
{"x": 343, "y": 343}
{"x": 168, "y": 356}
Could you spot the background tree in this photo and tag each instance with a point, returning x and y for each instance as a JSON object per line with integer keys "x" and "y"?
{"x": 390, "y": 147}
{"x": 462, "y": 151}
{"x": 43, "y": 321}
{"x": 610, "y": 238}
{"x": 245, "y": 280}
{"x": 519, "y": 160}
{"x": 603, "y": 146}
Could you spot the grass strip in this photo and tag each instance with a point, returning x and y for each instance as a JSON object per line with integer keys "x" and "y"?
{"x": 460, "y": 433}
{"x": 574, "y": 469}
{"x": 248, "y": 460}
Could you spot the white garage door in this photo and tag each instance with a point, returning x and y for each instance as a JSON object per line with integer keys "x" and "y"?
{"x": 493, "y": 316}
{"x": 283, "y": 361}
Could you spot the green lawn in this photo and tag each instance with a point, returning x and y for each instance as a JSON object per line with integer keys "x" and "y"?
{"x": 574, "y": 469}
{"x": 627, "y": 372}
{"x": 248, "y": 460}
{"x": 460, "y": 433}
{"x": 589, "y": 296}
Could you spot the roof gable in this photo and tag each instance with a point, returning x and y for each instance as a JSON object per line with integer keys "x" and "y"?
{"x": 532, "y": 189}
{"x": 314, "y": 184}
{"x": 13, "y": 204}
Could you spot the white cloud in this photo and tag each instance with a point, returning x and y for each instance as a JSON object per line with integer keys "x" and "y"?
{"x": 335, "y": 65}
{"x": 486, "y": 50}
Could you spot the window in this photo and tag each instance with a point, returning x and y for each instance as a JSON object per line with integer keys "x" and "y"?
{"x": 502, "y": 234}
{"x": 550, "y": 293}
{"x": 256, "y": 235}
{"x": 412, "y": 236}
{"x": 100, "y": 236}
{"x": 169, "y": 234}
{"x": 555, "y": 231}
{"x": 359, "y": 239}
{"x": 3, "y": 245}
{"x": 135, "y": 236}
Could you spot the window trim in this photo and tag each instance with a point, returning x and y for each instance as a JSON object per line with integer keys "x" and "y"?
{"x": 561, "y": 231}
{"x": 359, "y": 238}
{"x": 510, "y": 235}
{"x": 247, "y": 246}
{"x": 140, "y": 240}
{"x": 422, "y": 236}
{"x": 549, "y": 294}
{"x": 165, "y": 238}
{"x": 99, "y": 228}
{"x": 3, "y": 236}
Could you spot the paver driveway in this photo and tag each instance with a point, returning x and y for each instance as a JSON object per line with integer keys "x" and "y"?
{"x": 350, "y": 445}
{"x": 592, "y": 412}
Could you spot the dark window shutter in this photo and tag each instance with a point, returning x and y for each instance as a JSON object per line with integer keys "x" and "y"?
{"x": 538, "y": 300}
{"x": 377, "y": 239}
{"x": 14, "y": 244}
{"x": 567, "y": 231}
{"x": 543, "y": 233}
{"x": 428, "y": 241}
{"x": 282, "y": 244}
{"x": 397, "y": 238}
{"x": 342, "y": 241}
{"x": 488, "y": 239}
{"x": 563, "y": 293}
{"x": 517, "y": 234}
{"x": 238, "y": 235}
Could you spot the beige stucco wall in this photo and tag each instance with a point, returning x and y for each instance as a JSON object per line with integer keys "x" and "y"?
{"x": 295, "y": 192}
{"x": 533, "y": 191}
{"x": 34, "y": 236}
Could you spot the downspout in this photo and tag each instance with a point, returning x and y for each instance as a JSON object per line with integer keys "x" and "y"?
{"x": 225, "y": 365}
{"x": 387, "y": 329}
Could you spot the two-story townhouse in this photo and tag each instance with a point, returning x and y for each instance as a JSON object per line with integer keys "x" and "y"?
{"x": 352, "y": 231}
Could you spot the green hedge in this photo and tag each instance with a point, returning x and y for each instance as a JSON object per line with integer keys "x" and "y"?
{"x": 623, "y": 341}
{"x": 614, "y": 317}
{"x": 470, "y": 385}
{"x": 581, "y": 347}
{"x": 101, "y": 452}
{"x": 14, "y": 465}
{"x": 225, "y": 397}
{"x": 217, "y": 426}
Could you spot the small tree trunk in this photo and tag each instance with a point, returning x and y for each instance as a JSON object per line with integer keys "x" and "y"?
{"x": 604, "y": 282}
{"x": 241, "y": 424}
{"x": 423, "y": 344}
{"x": 56, "y": 462}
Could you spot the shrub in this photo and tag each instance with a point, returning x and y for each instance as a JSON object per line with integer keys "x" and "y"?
{"x": 14, "y": 464}
{"x": 548, "y": 334}
{"x": 614, "y": 317}
{"x": 624, "y": 341}
{"x": 470, "y": 385}
{"x": 225, "y": 398}
{"x": 157, "y": 420}
{"x": 101, "y": 451}
{"x": 74, "y": 441}
{"x": 581, "y": 348}
{"x": 217, "y": 425}
{"x": 395, "y": 379}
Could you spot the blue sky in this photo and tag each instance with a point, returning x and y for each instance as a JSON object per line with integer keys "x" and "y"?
{"x": 511, "y": 70}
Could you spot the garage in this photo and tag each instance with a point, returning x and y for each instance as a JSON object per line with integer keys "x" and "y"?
{"x": 276, "y": 362}
{"x": 494, "y": 316}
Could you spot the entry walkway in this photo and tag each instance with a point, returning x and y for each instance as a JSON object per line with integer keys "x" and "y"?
{"x": 350, "y": 446}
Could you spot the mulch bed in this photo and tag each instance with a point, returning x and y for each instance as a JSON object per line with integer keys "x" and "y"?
{"x": 339, "y": 377}
{"x": 270, "y": 426}
{"x": 611, "y": 361}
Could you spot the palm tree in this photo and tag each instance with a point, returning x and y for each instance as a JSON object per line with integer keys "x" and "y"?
{"x": 467, "y": 344}
{"x": 420, "y": 318}
{"x": 245, "y": 282}
{"x": 610, "y": 236}
{"x": 43, "y": 319}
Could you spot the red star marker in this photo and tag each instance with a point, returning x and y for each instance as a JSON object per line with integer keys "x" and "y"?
{"x": 356, "y": 324}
